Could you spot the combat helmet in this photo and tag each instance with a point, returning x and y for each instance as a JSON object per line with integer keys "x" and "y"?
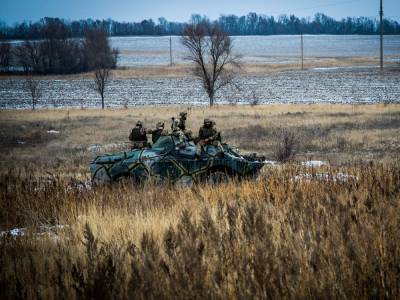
{"x": 208, "y": 122}
{"x": 139, "y": 123}
{"x": 160, "y": 125}
{"x": 183, "y": 115}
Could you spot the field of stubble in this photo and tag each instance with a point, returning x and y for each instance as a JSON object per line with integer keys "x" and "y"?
{"x": 294, "y": 232}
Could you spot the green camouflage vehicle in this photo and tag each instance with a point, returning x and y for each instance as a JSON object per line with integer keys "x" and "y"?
{"x": 174, "y": 160}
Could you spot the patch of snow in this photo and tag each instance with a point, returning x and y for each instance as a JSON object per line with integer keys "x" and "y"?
{"x": 14, "y": 232}
{"x": 315, "y": 163}
{"x": 53, "y": 131}
{"x": 95, "y": 147}
{"x": 115, "y": 146}
{"x": 338, "y": 177}
{"x": 80, "y": 186}
{"x": 325, "y": 68}
{"x": 50, "y": 230}
{"x": 270, "y": 162}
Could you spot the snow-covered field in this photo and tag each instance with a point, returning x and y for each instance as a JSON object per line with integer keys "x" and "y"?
{"x": 140, "y": 51}
{"x": 356, "y": 85}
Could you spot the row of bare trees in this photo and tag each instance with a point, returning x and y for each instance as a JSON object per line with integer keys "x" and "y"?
{"x": 66, "y": 56}
{"x": 209, "y": 49}
{"x": 57, "y": 53}
{"x": 250, "y": 24}
{"x": 5, "y": 57}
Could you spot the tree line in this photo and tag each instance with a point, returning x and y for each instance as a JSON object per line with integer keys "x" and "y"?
{"x": 57, "y": 53}
{"x": 250, "y": 24}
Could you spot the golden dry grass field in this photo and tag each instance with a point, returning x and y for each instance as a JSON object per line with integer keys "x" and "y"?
{"x": 294, "y": 232}
{"x": 340, "y": 134}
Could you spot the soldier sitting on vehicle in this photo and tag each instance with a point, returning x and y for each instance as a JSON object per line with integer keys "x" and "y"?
{"x": 182, "y": 121}
{"x": 177, "y": 131}
{"x": 138, "y": 136}
{"x": 157, "y": 132}
{"x": 208, "y": 135}
{"x": 182, "y": 126}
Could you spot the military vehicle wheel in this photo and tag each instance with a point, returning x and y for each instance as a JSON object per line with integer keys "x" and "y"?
{"x": 101, "y": 177}
{"x": 184, "y": 181}
{"x": 217, "y": 177}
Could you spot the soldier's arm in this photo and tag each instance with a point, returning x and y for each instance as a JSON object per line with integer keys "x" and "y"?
{"x": 144, "y": 131}
{"x": 131, "y": 135}
{"x": 214, "y": 136}
{"x": 200, "y": 133}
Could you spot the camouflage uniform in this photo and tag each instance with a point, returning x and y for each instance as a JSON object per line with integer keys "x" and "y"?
{"x": 177, "y": 131}
{"x": 182, "y": 121}
{"x": 182, "y": 126}
{"x": 138, "y": 136}
{"x": 208, "y": 135}
{"x": 157, "y": 132}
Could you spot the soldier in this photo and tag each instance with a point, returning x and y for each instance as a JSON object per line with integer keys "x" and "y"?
{"x": 138, "y": 136}
{"x": 157, "y": 132}
{"x": 176, "y": 130}
{"x": 208, "y": 133}
{"x": 182, "y": 126}
{"x": 182, "y": 121}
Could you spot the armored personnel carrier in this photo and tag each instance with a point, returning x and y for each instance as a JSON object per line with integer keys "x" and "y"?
{"x": 174, "y": 160}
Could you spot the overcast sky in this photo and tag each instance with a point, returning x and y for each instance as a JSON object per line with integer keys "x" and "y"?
{"x": 180, "y": 10}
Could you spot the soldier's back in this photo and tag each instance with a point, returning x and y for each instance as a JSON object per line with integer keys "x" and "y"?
{"x": 138, "y": 134}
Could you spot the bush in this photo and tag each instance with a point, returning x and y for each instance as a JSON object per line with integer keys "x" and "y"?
{"x": 286, "y": 144}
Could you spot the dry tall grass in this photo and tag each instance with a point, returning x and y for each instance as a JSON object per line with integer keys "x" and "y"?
{"x": 274, "y": 237}
{"x": 292, "y": 233}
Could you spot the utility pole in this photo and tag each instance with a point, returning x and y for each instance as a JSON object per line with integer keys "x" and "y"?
{"x": 381, "y": 17}
{"x": 170, "y": 51}
{"x": 302, "y": 52}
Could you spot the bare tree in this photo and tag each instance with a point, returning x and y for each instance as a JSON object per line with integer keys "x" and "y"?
{"x": 101, "y": 58}
{"x": 5, "y": 56}
{"x": 101, "y": 79}
{"x": 210, "y": 49}
{"x": 34, "y": 88}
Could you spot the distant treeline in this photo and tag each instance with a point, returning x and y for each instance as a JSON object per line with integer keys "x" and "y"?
{"x": 251, "y": 24}
{"x": 56, "y": 53}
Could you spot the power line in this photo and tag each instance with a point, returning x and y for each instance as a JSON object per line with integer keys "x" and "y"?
{"x": 381, "y": 40}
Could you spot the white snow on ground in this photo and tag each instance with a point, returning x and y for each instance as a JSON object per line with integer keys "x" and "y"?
{"x": 80, "y": 186}
{"x": 325, "y": 69}
{"x": 338, "y": 177}
{"x": 315, "y": 163}
{"x": 322, "y": 176}
{"x": 53, "y": 132}
{"x": 108, "y": 147}
{"x": 270, "y": 162}
{"x": 95, "y": 148}
{"x": 308, "y": 163}
{"x": 50, "y": 230}
{"x": 310, "y": 86}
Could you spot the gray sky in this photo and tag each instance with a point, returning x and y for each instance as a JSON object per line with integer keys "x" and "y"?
{"x": 180, "y": 10}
